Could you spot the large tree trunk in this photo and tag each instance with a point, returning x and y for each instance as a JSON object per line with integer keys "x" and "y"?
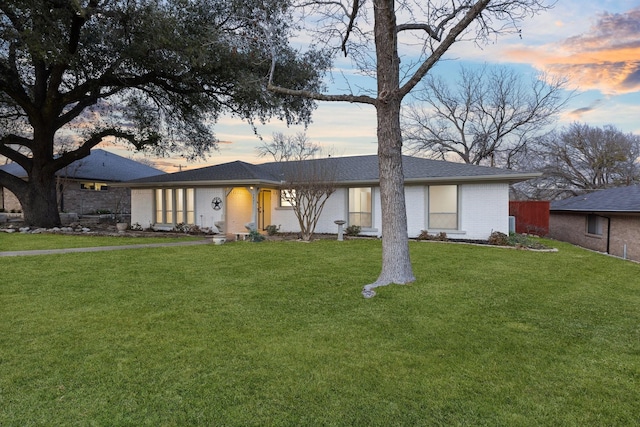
{"x": 396, "y": 263}
{"x": 40, "y": 203}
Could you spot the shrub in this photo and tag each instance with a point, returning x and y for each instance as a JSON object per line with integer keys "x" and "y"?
{"x": 352, "y": 230}
{"x": 499, "y": 239}
{"x": 181, "y": 228}
{"x": 272, "y": 230}
{"x": 255, "y": 236}
{"x": 441, "y": 236}
{"x": 522, "y": 241}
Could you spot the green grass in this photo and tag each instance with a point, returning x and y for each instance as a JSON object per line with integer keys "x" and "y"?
{"x": 26, "y": 242}
{"x": 277, "y": 333}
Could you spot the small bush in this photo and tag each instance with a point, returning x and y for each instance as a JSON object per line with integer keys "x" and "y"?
{"x": 441, "y": 236}
{"x": 255, "y": 236}
{"x": 181, "y": 228}
{"x": 272, "y": 230}
{"x": 499, "y": 239}
{"x": 352, "y": 230}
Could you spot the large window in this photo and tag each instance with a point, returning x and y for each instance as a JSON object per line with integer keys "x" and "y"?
{"x": 175, "y": 206}
{"x": 594, "y": 225}
{"x": 360, "y": 207}
{"x": 443, "y": 207}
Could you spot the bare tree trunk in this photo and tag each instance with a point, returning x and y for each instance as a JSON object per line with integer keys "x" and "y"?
{"x": 39, "y": 202}
{"x": 396, "y": 262}
{"x": 39, "y": 199}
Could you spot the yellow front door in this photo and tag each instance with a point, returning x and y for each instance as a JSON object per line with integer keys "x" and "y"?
{"x": 264, "y": 209}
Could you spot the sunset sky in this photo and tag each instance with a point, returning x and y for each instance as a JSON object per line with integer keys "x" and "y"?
{"x": 595, "y": 44}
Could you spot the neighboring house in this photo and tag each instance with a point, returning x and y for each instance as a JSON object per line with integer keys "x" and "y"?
{"x": 464, "y": 201}
{"x": 605, "y": 221}
{"x": 86, "y": 186}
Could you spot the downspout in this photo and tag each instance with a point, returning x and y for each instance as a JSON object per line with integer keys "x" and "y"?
{"x": 254, "y": 206}
{"x": 608, "y": 233}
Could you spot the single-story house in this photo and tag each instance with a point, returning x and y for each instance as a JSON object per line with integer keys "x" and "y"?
{"x": 86, "y": 185}
{"x": 605, "y": 221}
{"x": 464, "y": 201}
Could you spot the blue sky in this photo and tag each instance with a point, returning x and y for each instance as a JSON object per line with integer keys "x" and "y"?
{"x": 595, "y": 44}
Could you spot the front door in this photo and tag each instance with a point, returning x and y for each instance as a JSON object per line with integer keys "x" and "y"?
{"x": 264, "y": 209}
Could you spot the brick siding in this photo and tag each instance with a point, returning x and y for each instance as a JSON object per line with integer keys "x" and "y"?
{"x": 82, "y": 202}
{"x": 625, "y": 230}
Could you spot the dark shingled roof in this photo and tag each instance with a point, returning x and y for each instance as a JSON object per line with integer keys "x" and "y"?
{"x": 100, "y": 165}
{"x": 356, "y": 169}
{"x": 620, "y": 199}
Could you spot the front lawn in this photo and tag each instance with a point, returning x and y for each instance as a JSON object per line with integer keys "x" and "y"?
{"x": 27, "y": 242}
{"x": 278, "y": 333}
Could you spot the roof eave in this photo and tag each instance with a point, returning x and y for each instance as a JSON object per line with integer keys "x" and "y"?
{"x": 596, "y": 211}
{"x": 207, "y": 183}
{"x": 511, "y": 178}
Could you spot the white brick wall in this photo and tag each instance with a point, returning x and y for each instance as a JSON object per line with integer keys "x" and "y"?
{"x": 142, "y": 207}
{"x": 205, "y": 215}
{"x": 416, "y": 209}
{"x": 335, "y": 208}
{"x": 484, "y": 209}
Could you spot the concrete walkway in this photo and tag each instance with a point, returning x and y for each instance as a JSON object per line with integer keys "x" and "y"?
{"x": 101, "y": 248}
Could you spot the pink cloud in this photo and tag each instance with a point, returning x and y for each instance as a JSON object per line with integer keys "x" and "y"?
{"x": 606, "y": 58}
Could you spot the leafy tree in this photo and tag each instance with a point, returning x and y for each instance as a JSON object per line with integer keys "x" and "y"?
{"x": 584, "y": 158}
{"x": 154, "y": 74}
{"x": 434, "y": 26}
{"x": 487, "y": 117}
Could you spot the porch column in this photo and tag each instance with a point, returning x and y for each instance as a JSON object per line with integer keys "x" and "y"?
{"x": 254, "y": 205}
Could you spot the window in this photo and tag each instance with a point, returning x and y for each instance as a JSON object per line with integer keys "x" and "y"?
{"x": 175, "y": 206}
{"x": 94, "y": 186}
{"x": 443, "y": 207}
{"x": 287, "y": 198}
{"x": 179, "y": 206}
{"x": 191, "y": 206}
{"x": 360, "y": 207}
{"x": 594, "y": 225}
{"x": 159, "y": 206}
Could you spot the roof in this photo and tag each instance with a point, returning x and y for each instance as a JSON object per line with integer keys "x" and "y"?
{"x": 100, "y": 165}
{"x": 619, "y": 199}
{"x": 348, "y": 170}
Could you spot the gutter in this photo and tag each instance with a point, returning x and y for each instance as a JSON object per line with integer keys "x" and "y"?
{"x": 510, "y": 178}
{"x": 172, "y": 184}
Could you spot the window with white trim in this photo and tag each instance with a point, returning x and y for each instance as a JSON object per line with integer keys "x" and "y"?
{"x": 287, "y": 198}
{"x": 443, "y": 207}
{"x": 175, "y": 206}
{"x": 360, "y": 207}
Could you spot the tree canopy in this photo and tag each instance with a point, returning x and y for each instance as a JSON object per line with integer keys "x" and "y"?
{"x": 153, "y": 73}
